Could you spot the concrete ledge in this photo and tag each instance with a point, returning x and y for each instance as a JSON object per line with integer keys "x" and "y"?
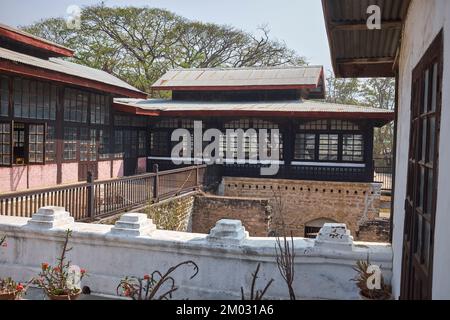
{"x": 322, "y": 272}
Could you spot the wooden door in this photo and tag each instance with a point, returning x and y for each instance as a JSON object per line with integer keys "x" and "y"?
{"x": 420, "y": 204}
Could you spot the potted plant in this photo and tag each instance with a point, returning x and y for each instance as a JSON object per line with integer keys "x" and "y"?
{"x": 61, "y": 282}
{"x": 364, "y": 277}
{"x": 11, "y": 290}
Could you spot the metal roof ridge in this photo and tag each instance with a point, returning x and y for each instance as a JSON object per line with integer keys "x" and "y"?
{"x": 247, "y": 68}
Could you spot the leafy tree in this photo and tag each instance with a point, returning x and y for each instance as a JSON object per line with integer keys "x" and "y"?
{"x": 380, "y": 93}
{"x": 374, "y": 92}
{"x": 140, "y": 44}
{"x": 344, "y": 91}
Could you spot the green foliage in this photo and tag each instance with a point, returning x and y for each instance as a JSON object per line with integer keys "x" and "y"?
{"x": 140, "y": 44}
{"x": 376, "y": 93}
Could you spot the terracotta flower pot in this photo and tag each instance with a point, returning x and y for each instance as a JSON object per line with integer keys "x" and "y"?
{"x": 8, "y": 295}
{"x": 64, "y": 297}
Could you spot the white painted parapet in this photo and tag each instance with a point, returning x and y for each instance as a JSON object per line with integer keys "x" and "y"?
{"x": 226, "y": 257}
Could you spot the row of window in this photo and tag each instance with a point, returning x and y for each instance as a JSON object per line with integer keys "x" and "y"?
{"x": 32, "y": 143}
{"x": 27, "y": 143}
{"x": 38, "y": 100}
{"x": 161, "y": 145}
{"x": 96, "y": 142}
{"x": 325, "y": 147}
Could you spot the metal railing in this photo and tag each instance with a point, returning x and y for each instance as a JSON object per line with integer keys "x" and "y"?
{"x": 383, "y": 168}
{"x": 95, "y": 199}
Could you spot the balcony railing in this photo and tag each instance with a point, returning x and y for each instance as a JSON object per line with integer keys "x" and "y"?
{"x": 95, "y": 199}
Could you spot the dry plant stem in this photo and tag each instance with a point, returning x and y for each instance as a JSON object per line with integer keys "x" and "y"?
{"x": 285, "y": 263}
{"x": 167, "y": 278}
{"x": 285, "y": 250}
{"x": 259, "y": 294}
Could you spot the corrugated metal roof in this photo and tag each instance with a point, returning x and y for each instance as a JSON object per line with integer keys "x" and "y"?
{"x": 66, "y": 67}
{"x": 29, "y": 35}
{"x": 235, "y": 77}
{"x": 350, "y": 39}
{"x": 307, "y": 106}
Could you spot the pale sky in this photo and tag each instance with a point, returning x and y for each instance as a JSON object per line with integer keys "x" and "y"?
{"x": 299, "y": 23}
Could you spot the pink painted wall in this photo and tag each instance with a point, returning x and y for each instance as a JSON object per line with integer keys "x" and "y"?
{"x": 69, "y": 173}
{"x": 43, "y": 176}
{"x": 20, "y": 178}
{"x": 104, "y": 170}
{"x": 142, "y": 165}
{"x": 117, "y": 168}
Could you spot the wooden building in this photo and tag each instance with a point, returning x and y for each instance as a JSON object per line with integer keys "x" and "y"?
{"x": 318, "y": 141}
{"x": 56, "y": 117}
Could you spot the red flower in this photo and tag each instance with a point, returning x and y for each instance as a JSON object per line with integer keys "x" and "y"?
{"x": 146, "y": 277}
{"x": 83, "y": 271}
{"x": 19, "y": 287}
{"x": 127, "y": 293}
{"x": 57, "y": 269}
{"x": 44, "y": 266}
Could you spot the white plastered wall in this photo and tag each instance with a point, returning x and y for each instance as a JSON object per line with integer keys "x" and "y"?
{"x": 426, "y": 18}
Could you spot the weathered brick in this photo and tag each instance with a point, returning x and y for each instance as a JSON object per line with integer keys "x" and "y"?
{"x": 306, "y": 201}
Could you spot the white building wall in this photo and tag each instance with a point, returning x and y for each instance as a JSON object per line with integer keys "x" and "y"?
{"x": 226, "y": 257}
{"x": 426, "y": 18}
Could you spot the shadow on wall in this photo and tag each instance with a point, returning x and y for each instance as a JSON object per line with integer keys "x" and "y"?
{"x": 17, "y": 174}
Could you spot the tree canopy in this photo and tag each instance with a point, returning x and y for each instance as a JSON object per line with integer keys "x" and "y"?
{"x": 138, "y": 45}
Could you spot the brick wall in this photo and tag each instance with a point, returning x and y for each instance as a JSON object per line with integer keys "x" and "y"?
{"x": 306, "y": 201}
{"x": 374, "y": 231}
{"x": 255, "y": 214}
{"x": 174, "y": 214}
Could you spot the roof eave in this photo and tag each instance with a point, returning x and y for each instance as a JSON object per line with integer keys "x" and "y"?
{"x": 44, "y": 74}
{"x": 381, "y": 117}
{"x": 52, "y": 49}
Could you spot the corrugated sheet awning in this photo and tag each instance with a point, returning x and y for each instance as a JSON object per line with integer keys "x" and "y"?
{"x": 357, "y": 51}
{"x": 241, "y": 78}
{"x": 300, "y": 108}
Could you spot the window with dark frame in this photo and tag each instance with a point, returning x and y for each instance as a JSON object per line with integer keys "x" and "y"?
{"x": 353, "y": 147}
{"x": 5, "y": 144}
{"x": 159, "y": 143}
{"x": 103, "y": 144}
{"x": 34, "y": 99}
{"x": 50, "y": 145}
{"x": 70, "y": 143}
{"x": 305, "y": 146}
{"x": 19, "y": 151}
{"x": 4, "y": 96}
{"x": 118, "y": 143}
{"x": 36, "y": 134}
{"x": 329, "y": 140}
{"x": 328, "y": 147}
{"x": 99, "y": 109}
{"x": 76, "y": 105}
{"x": 142, "y": 143}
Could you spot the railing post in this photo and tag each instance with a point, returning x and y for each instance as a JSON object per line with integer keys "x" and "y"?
{"x": 156, "y": 183}
{"x": 90, "y": 195}
{"x": 197, "y": 186}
